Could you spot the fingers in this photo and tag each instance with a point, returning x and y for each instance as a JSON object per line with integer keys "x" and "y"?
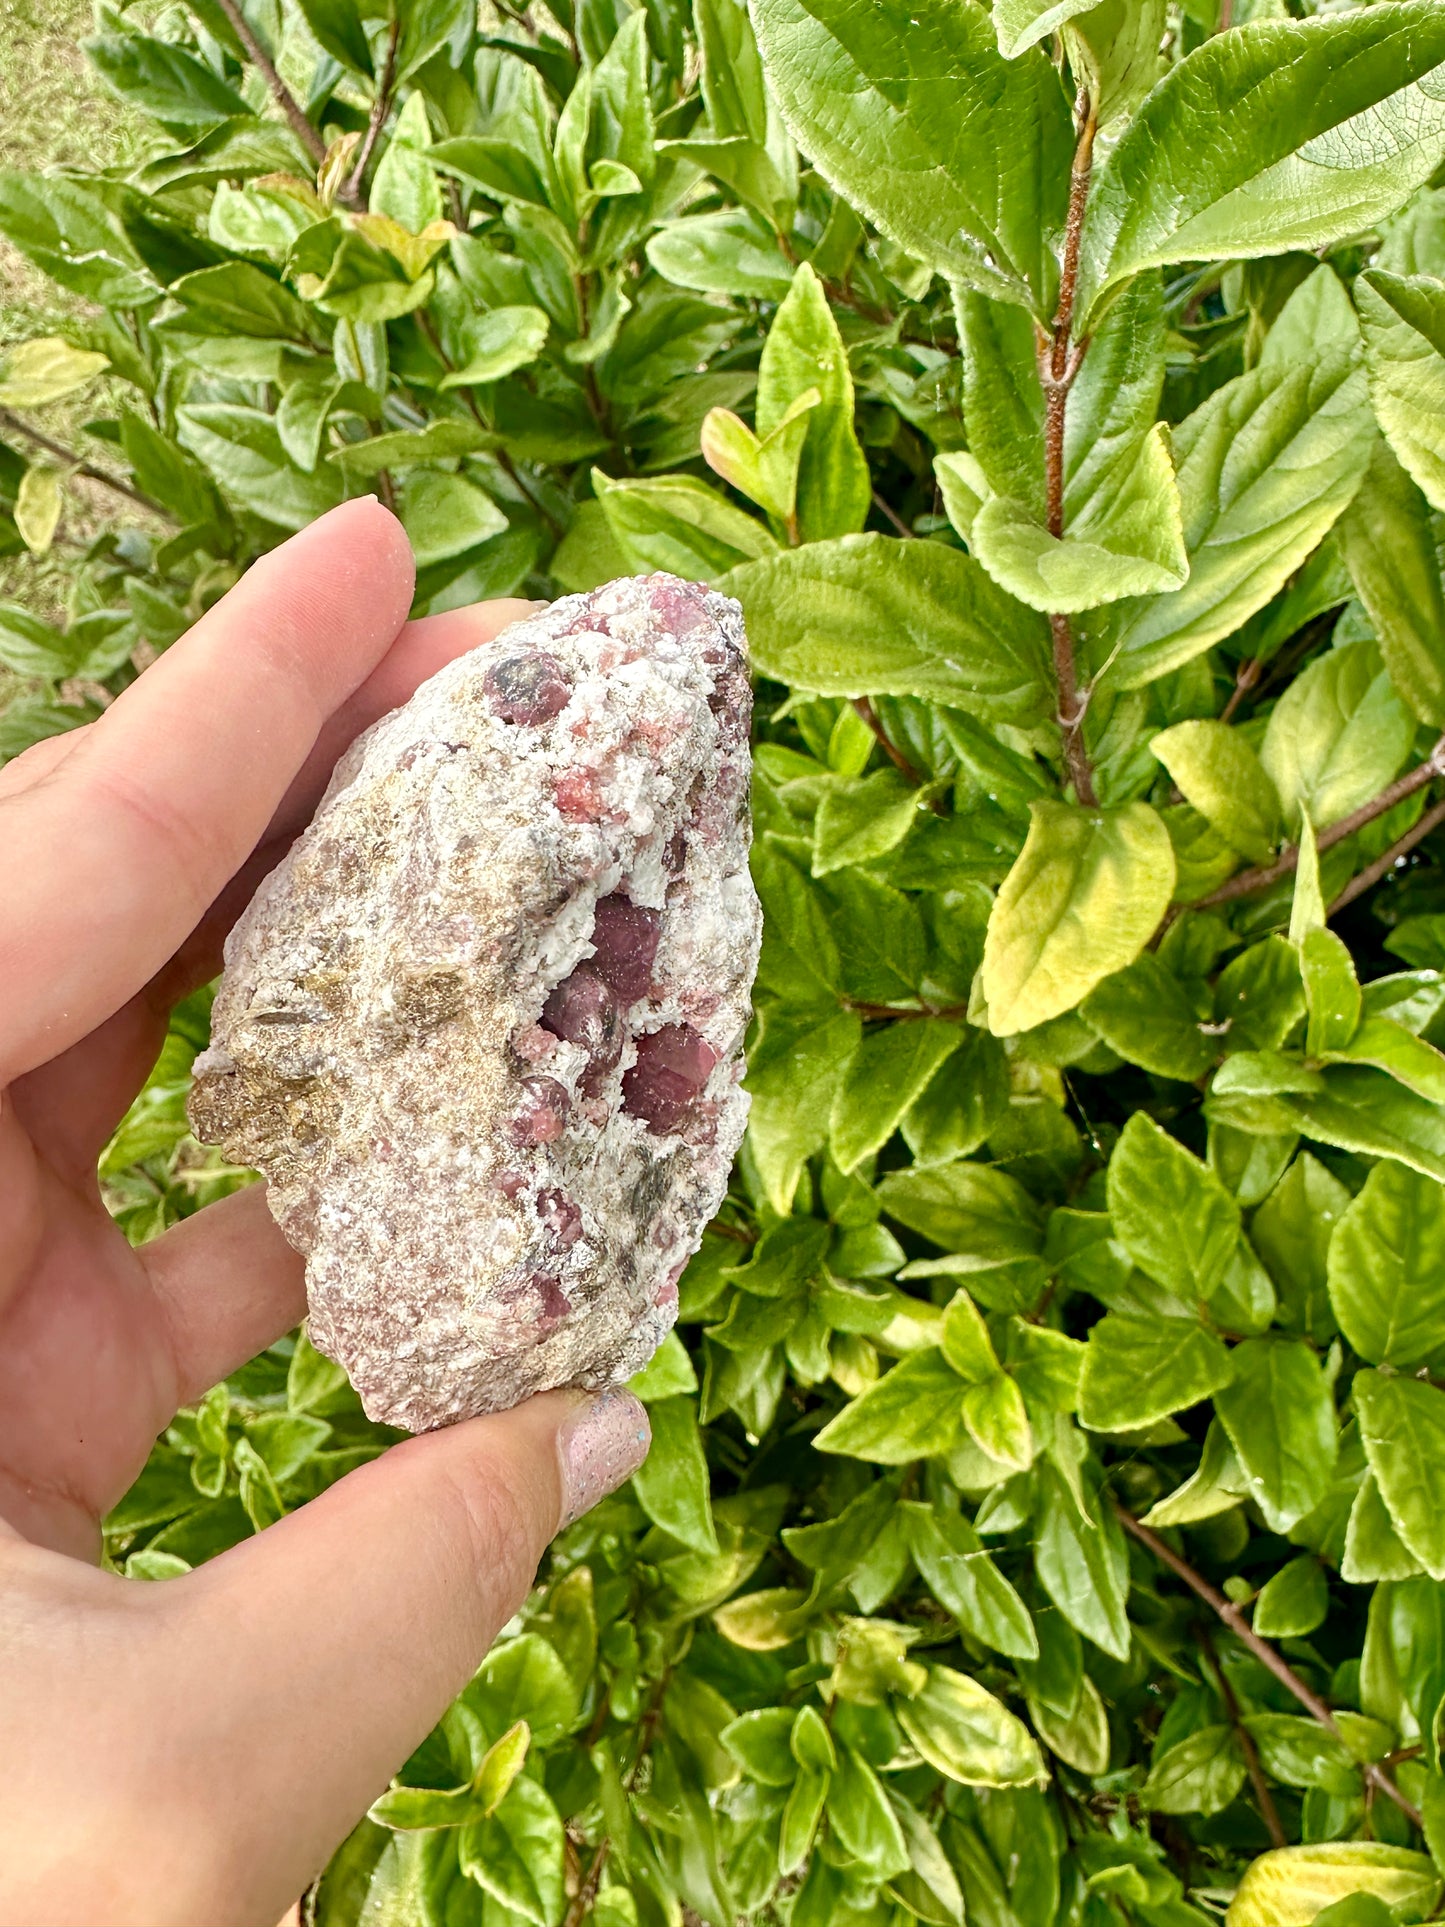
{"x": 321, "y": 1653}
{"x": 110, "y": 857}
{"x": 228, "y": 1285}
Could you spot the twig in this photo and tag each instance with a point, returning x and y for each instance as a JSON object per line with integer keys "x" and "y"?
{"x": 1063, "y": 363}
{"x": 895, "y": 756}
{"x": 1268, "y": 1812}
{"x": 282, "y": 95}
{"x": 950, "y": 1013}
{"x": 380, "y": 107}
{"x": 1263, "y": 1652}
{"x": 81, "y": 467}
{"x": 1248, "y": 881}
{"x": 1245, "y": 677}
{"x": 1382, "y": 865}
{"x": 885, "y": 509}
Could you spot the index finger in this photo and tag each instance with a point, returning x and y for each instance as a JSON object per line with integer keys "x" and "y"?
{"x": 108, "y": 859}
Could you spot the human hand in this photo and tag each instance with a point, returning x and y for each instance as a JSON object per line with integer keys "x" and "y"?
{"x": 191, "y": 1751}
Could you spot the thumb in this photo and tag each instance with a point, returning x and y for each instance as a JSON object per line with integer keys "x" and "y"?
{"x": 322, "y": 1652}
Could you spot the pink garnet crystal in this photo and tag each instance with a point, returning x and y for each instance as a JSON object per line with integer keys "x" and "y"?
{"x": 516, "y": 947}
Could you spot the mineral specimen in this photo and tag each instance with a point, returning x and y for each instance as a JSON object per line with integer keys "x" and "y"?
{"x": 482, "y": 1028}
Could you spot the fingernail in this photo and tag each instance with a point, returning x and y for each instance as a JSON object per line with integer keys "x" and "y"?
{"x": 602, "y": 1445}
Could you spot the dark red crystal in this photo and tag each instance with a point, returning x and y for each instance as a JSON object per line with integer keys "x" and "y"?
{"x": 584, "y": 1010}
{"x": 672, "y": 1069}
{"x": 541, "y": 1117}
{"x": 625, "y": 936}
{"x": 527, "y": 689}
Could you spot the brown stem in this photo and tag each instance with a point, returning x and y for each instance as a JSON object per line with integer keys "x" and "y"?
{"x": 950, "y": 1013}
{"x": 1245, "y": 677}
{"x": 587, "y": 1892}
{"x": 1262, "y": 1650}
{"x": 892, "y": 515}
{"x": 1059, "y": 372}
{"x": 1382, "y": 865}
{"x": 81, "y": 467}
{"x": 380, "y": 107}
{"x": 895, "y": 756}
{"x": 282, "y": 95}
{"x": 1264, "y": 1799}
{"x": 1248, "y": 881}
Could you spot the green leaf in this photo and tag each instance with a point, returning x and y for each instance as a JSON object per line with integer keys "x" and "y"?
{"x": 1337, "y": 736}
{"x": 1339, "y": 120}
{"x": 913, "y": 1412}
{"x": 1216, "y": 769}
{"x": 1147, "y": 1016}
{"x": 965, "y": 1207}
{"x": 1332, "y": 995}
{"x": 498, "y": 344}
{"x": 338, "y": 29}
{"x": 672, "y": 1482}
{"x": 445, "y": 515}
{"x": 1129, "y": 542}
{"x": 517, "y": 1855}
{"x": 1390, "y": 548}
{"x": 73, "y": 233}
{"x": 765, "y": 470}
{"x": 793, "y": 1073}
{"x": 1083, "y": 1566}
{"x": 680, "y": 525}
{"x": 914, "y": 117}
{"x": 968, "y": 1735}
{"x": 1292, "y": 1231}
{"x": 1113, "y": 50}
{"x": 997, "y": 1421}
{"x": 1387, "y": 1269}
{"x": 862, "y": 817}
{"x": 1020, "y": 23}
{"x": 1139, "y": 1369}
{"x": 45, "y": 369}
{"x": 1264, "y": 467}
{"x": 869, "y": 615}
{"x": 1293, "y": 1601}
{"x": 1295, "y": 1884}
{"x": 1154, "y": 1186}
{"x": 38, "y": 502}
{"x": 408, "y": 447}
{"x": 732, "y": 251}
{"x": 759, "y": 1742}
{"x": 524, "y": 1679}
{"x": 1402, "y": 318}
{"x": 892, "y": 1067}
{"x": 1279, "y": 1412}
{"x": 164, "y": 79}
{"x": 957, "y": 1569}
{"x": 1080, "y": 903}
{"x": 801, "y": 1815}
{"x": 803, "y": 352}
{"x": 242, "y": 450}
{"x": 1199, "y": 1775}
{"x": 862, "y": 1820}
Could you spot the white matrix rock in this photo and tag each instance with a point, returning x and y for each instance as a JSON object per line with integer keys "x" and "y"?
{"x": 482, "y": 1029}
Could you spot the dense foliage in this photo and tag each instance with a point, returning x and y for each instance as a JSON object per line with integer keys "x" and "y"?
{"x": 1047, "y": 1516}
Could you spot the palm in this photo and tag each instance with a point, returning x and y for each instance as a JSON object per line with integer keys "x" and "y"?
{"x": 89, "y": 1371}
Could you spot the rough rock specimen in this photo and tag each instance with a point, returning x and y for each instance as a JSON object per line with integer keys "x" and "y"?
{"x": 482, "y": 1029}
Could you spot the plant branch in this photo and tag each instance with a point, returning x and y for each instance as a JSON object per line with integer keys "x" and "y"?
{"x": 81, "y": 466}
{"x": 1382, "y": 865}
{"x": 380, "y": 108}
{"x": 895, "y": 756}
{"x": 891, "y": 514}
{"x": 1062, "y": 365}
{"x": 1264, "y": 1799}
{"x": 282, "y": 95}
{"x": 1248, "y": 881}
{"x": 1245, "y": 677}
{"x": 887, "y": 1013}
{"x": 1232, "y": 1617}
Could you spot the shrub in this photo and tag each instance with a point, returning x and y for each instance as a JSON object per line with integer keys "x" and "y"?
{"x": 1046, "y": 1518}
